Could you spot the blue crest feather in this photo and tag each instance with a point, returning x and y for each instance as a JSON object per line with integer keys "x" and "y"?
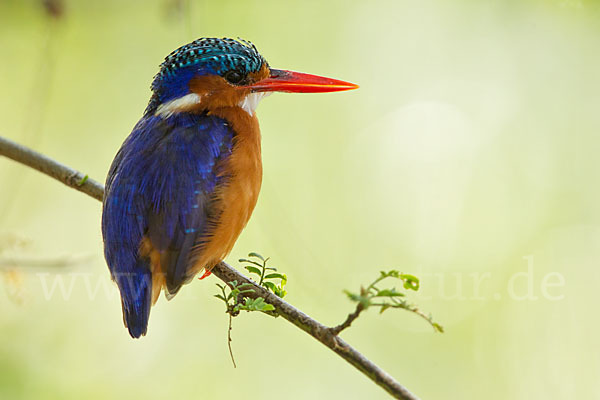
{"x": 201, "y": 57}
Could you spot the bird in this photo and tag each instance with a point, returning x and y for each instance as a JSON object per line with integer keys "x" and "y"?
{"x": 184, "y": 183}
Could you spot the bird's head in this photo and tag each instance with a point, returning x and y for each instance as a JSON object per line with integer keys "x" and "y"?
{"x": 211, "y": 73}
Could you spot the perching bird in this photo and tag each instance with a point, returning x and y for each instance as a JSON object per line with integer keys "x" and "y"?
{"x": 186, "y": 180}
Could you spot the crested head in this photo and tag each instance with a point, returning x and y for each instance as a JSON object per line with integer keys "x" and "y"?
{"x": 208, "y": 56}
{"x": 205, "y": 67}
{"x": 211, "y": 74}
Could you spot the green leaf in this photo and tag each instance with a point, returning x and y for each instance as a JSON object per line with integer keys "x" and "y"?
{"x": 386, "y": 274}
{"x": 254, "y": 270}
{"x": 218, "y": 296}
{"x": 410, "y": 282}
{"x": 352, "y": 296}
{"x": 260, "y": 305}
{"x": 273, "y": 276}
{"x": 256, "y": 255}
{"x": 383, "y": 308}
{"x": 437, "y": 327}
{"x": 257, "y": 304}
{"x": 270, "y": 285}
{"x": 388, "y": 293}
{"x": 359, "y": 299}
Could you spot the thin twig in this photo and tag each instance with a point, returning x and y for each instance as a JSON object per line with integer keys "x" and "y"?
{"x": 349, "y": 320}
{"x": 224, "y": 272}
{"x": 319, "y": 331}
{"x": 229, "y": 341}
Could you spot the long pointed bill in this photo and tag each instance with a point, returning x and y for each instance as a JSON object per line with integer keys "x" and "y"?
{"x": 298, "y": 82}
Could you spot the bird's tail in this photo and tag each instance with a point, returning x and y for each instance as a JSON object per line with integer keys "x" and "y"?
{"x": 136, "y": 298}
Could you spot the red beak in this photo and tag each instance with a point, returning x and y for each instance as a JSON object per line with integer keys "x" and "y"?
{"x": 298, "y": 82}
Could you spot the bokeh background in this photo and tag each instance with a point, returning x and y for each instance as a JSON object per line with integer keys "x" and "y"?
{"x": 468, "y": 157}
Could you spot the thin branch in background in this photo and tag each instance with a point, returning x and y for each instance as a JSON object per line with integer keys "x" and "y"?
{"x": 180, "y": 11}
{"x": 226, "y": 273}
{"x": 38, "y": 99}
{"x": 54, "y": 8}
{"x": 8, "y": 263}
{"x": 35, "y": 111}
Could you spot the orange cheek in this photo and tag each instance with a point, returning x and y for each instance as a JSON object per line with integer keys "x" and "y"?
{"x": 216, "y": 93}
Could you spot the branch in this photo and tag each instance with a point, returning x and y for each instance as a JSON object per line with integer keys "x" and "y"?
{"x": 327, "y": 336}
{"x": 349, "y": 320}
{"x": 45, "y": 165}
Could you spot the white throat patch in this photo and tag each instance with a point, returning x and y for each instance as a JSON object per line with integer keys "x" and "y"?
{"x": 250, "y": 102}
{"x": 183, "y": 103}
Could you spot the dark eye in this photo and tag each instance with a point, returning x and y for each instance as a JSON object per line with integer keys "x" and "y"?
{"x": 233, "y": 77}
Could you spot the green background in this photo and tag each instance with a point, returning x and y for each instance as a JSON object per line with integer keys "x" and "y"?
{"x": 468, "y": 157}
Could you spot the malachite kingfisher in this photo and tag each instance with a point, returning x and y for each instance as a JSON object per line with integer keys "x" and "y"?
{"x": 184, "y": 183}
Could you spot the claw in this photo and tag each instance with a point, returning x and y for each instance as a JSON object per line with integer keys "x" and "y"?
{"x": 206, "y": 273}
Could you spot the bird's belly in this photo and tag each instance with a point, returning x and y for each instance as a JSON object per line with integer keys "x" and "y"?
{"x": 235, "y": 202}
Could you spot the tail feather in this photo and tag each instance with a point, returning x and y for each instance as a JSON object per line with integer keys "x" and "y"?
{"x": 136, "y": 298}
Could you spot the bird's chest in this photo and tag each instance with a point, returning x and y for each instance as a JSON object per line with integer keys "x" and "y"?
{"x": 244, "y": 171}
{"x": 238, "y": 197}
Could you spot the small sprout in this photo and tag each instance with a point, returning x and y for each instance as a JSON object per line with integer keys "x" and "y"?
{"x": 372, "y": 296}
{"x": 82, "y": 180}
{"x": 234, "y": 294}
{"x": 257, "y": 304}
{"x": 259, "y": 268}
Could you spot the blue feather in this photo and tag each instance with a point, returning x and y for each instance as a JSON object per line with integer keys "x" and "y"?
{"x": 161, "y": 185}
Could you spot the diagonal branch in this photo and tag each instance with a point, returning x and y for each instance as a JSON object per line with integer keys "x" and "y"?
{"x": 48, "y": 166}
{"x": 327, "y": 336}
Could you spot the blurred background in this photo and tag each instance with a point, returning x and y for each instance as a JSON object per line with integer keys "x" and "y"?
{"x": 469, "y": 157}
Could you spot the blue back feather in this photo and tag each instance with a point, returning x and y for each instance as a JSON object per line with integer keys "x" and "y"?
{"x": 161, "y": 185}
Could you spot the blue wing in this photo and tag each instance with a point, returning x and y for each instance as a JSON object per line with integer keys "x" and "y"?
{"x": 161, "y": 186}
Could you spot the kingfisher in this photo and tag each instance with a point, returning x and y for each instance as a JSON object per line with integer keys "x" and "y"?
{"x": 186, "y": 180}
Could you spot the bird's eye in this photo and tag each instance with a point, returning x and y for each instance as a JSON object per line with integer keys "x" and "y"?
{"x": 234, "y": 77}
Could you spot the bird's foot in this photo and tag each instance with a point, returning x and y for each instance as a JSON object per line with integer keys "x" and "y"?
{"x": 205, "y": 274}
